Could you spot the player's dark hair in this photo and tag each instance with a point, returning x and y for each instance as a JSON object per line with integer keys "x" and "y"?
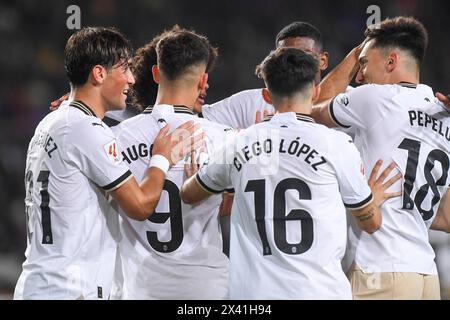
{"x": 180, "y": 49}
{"x": 288, "y": 71}
{"x": 93, "y": 46}
{"x": 145, "y": 89}
{"x": 300, "y": 29}
{"x": 401, "y": 32}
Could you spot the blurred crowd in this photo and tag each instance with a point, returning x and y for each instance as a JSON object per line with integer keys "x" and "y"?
{"x": 33, "y": 34}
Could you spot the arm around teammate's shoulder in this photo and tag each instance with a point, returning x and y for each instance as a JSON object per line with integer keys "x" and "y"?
{"x": 139, "y": 200}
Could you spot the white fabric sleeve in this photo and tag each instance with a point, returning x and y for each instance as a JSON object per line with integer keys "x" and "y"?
{"x": 356, "y": 108}
{"x": 237, "y": 111}
{"x": 215, "y": 176}
{"x": 353, "y": 185}
{"x": 95, "y": 151}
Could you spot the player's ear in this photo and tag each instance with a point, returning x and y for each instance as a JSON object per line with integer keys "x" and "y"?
{"x": 323, "y": 60}
{"x": 266, "y": 95}
{"x": 98, "y": 74}
{"x": 392, "y": 61}
{"x": 203, "y": 82}
{"x": 316, "y": 92}
{"x": 155, "y": 73}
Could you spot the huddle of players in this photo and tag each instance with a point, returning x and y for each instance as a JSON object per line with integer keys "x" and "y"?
{"x": 292, "y": 178}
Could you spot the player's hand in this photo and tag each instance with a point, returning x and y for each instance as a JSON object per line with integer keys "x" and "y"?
{"x": 261, "y": 115}
{"x": 55, "y": 104}
{"x": 179, "y": 143}
{"x": 192, "y": 168}
{"x": 379, "y": 186}
{"x": 445, "y": 99}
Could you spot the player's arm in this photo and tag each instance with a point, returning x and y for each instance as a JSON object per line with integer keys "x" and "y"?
{"x": 369, "y": 217}
{"x": 441, "y": 221}
{"x": 321, "y": 114}
{"x": 226, "y": 204}
{"x": 213, "y": 178}
{"x": 192, "y": 192}
{"x": 139, "y": 200}
{"x": 340, "y": 77}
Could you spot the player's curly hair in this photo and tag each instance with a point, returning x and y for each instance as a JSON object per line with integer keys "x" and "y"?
{"x": 144, "y": 90}
{"x": 288, "y": 71}
{"x": 177, "y": 56}
{"x": 405, "y": 33}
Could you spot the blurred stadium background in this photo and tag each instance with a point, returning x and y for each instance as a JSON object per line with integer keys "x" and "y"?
{"x": 33, "y": 34}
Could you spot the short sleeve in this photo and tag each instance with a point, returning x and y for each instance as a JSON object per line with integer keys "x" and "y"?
{"x": 237, "y": 111}
{"x": 353, "y": 185}
{"x": 356, "y": 108}
{"x": 215, "y": 176}
{"x": 93, "y": 148}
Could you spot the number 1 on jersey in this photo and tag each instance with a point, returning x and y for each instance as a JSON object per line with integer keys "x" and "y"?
{"x": 436, "y": 155}
{"x": 47, "y": 236}
{"x": 279, "y": 215}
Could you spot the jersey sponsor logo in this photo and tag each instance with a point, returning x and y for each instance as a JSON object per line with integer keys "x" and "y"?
{"x": 97, "y": 124}
{"x": 112, "y": 151}
{"x": 344, "y": 100}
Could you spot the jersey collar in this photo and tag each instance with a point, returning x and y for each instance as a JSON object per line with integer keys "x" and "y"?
{"x": 166, "y": 108}
{"x": 407, "y": 84}
{"x": 83, "y": 107}
{"x": 290, "y": 116}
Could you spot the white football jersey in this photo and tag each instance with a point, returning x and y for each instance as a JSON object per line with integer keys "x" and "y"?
{"x": 293, "y": 179}
{"x": 177, "y": 252}
{"x": 400, "y": 123}
{"x": 239, "y": 110}
{"x": 71, "y": 158}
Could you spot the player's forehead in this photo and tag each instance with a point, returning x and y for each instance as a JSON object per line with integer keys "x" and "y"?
{"x": 303, "y": 43}
{"x": 368, "y": 49}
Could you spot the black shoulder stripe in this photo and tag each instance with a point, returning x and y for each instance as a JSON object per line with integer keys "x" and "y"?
{"x": 334, "y": 117}
{"x": 117, "y": 182}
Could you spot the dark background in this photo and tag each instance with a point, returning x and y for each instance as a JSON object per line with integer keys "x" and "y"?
{"x": 33, "y": 34}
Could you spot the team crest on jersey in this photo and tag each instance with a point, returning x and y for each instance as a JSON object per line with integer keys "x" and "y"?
{"x": 112, "y": 151}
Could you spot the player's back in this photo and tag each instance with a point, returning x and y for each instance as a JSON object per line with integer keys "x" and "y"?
{"x": 177, "y": 252}
{"x": 68, "y": 241}
{"x": 288, "y": 230}
{"x": 404, "y": 124}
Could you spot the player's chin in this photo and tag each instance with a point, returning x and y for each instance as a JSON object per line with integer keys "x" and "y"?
{"x": 119, "y": 104}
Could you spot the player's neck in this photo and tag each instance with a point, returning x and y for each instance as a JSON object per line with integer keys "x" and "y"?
{"x": 405, "y": 77}
{"x": 297, "y": 105}
{"x": 297, "y": 108}
{"x": 92, "y": 99}
{"x": 178, "y": 97}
